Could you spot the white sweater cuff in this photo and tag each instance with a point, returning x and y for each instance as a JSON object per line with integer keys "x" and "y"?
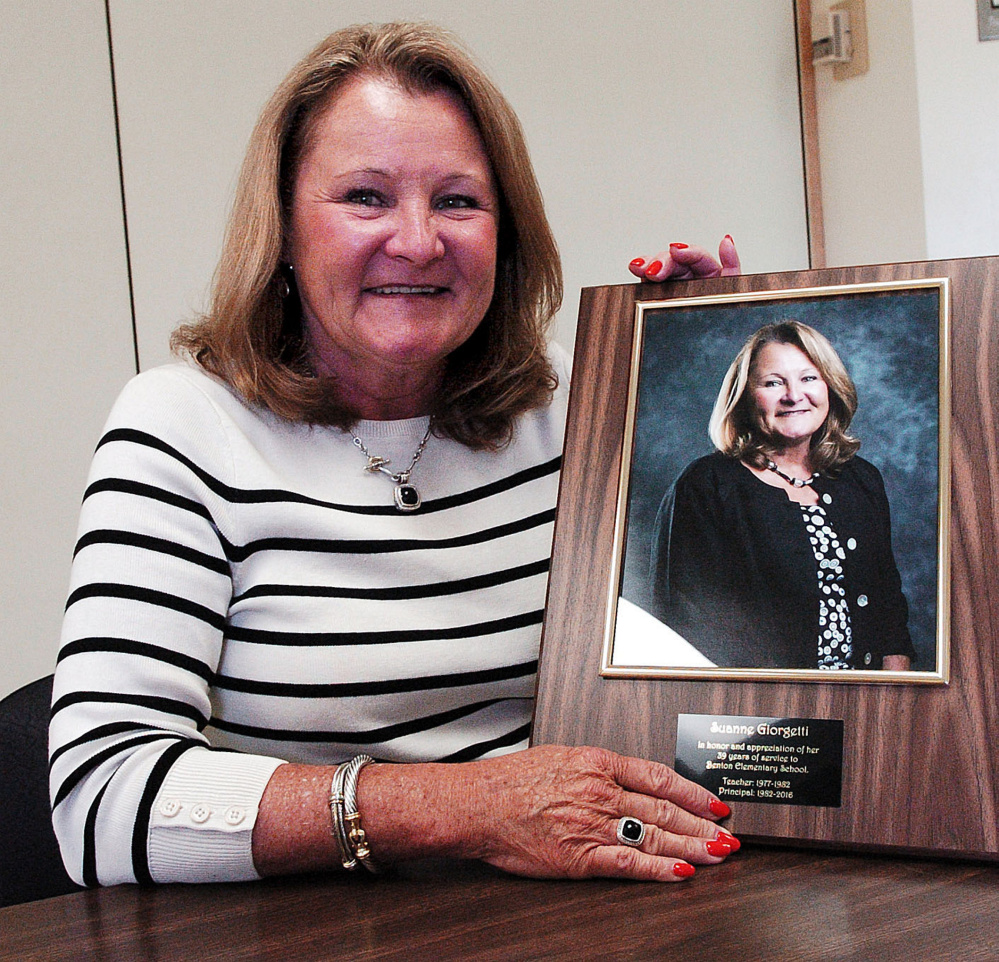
{"x": 201, "y": 824}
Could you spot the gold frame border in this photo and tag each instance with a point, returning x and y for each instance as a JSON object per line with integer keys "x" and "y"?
{"x": 941, "y": 676}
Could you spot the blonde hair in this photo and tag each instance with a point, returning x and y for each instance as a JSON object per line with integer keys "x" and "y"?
{"x": 735, "y": 428}
{"x": 251, "y": 337}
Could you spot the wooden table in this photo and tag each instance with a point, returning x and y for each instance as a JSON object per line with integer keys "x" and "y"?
{"x": 764, "y": 904}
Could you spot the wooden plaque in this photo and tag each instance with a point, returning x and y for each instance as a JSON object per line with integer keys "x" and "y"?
{"x": 920, "y": 763}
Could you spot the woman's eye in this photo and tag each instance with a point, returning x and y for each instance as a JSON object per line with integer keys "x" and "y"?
{"x": 365, "y": 197}
{"x": 457, "y": 202}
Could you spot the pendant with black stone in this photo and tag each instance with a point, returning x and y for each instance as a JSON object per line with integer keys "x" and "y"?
{"x": 407, "y": 496}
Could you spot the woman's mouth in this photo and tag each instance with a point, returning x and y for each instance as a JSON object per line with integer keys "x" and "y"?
{"x": 410, "y": 289}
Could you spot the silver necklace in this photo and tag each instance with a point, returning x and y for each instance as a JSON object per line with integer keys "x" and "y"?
{"x": 407, "y": 496}
{"x": 794, "y": 482}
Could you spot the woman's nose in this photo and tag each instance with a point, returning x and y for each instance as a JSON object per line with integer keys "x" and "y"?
{"x": 792, "y": 394}
{"x": 415, "y": 237}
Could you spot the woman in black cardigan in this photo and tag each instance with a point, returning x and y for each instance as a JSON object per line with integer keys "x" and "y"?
{"x": 775, "y": 551}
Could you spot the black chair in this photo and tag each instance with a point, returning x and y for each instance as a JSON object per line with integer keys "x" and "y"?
{"x": 30, "y": 865}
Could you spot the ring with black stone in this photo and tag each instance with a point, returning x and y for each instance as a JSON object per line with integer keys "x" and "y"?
{"x": 630, "y": 831}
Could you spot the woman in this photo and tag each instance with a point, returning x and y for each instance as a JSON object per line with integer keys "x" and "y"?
{"x": 329, "y": 534}
{"x": 775, "y": 551}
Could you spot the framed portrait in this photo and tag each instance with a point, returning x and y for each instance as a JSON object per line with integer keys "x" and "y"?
{"x": 818, "y": 653}
{"x": 753, "y": 585}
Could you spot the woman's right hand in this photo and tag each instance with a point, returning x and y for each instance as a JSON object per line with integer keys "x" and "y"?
{"x": 682, "y": 262}
{"x": 547, "y": 812}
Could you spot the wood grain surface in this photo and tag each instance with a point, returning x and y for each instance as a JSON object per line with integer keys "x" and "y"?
{"x": 761, "y": 904}
{"x": 921, "y": 763}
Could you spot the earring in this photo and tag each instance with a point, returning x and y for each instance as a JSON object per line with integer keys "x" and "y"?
{"x": 283, "y": 287}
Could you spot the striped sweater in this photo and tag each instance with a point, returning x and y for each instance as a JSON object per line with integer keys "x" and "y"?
{"x": 244, "y": 593}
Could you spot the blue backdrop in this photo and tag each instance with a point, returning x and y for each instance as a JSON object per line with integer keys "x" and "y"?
{"x": 889, "y": 342}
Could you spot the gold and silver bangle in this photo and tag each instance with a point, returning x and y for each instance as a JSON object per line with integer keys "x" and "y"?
{"x": 336, "y": 814}
{"x": 347, "y": 830}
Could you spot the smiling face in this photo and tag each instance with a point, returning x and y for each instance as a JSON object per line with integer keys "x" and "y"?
{"x": 393, "y": 234}
{"x": 790, "y": 397}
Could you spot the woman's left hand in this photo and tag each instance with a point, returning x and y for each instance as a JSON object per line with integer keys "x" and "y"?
{"x": 684, "y": 262}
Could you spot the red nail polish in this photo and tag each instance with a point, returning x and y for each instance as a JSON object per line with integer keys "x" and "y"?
{"x": 637, "y": 262}
{"x": 729, "y": 237}
{"x": 679, "y": 247}
{"x": 730, "y": 840}
{"x": 720, "y": 809}
{"x": 654, "y": 268}
{"x": 683, "y": 870}
{"x": 718, "y": 847}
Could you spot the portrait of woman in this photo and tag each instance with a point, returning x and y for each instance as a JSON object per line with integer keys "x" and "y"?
{"x": 774, "y": 551}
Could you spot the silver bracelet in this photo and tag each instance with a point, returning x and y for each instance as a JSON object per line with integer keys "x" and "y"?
{"x": 356, "y": 838}
{"x": 346, "y": 820}
{"x": 336, "y": 815}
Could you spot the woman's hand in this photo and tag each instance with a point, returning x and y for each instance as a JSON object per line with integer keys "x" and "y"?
{"x": 553, "y": 812}
{"x": 548, "y": 812}
{"x": 684, "y": 262}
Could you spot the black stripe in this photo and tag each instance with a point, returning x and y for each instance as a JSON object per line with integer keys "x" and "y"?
{"x": 90, "y": 878}
{"x": 140, "y": 831}
{"x": 389, "y": 687}
{"x": 387, "y": 545}
{"x": 169, "y": 706}
{"x": 257, "y": 636}
{"x": 480, "y": 749}
{"x": 107, "y": 589}
{"x": 384, "y": 734}
{"x": 402, "y": 592}
{"x": 142, "y": 490}
{"x": 160, "y": 545}
{"x": 270, "y": 495}
{"x": 80, "y": 772}
{"x": 95, "y": 734}
{"x": 493, "y": 488}
{"x": 126, "y": 646}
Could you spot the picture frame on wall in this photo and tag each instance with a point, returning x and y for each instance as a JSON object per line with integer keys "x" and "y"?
{"x": 804, "y": 754}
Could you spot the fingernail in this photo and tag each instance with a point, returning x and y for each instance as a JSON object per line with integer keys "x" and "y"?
{"x": 637, "y": 262}
{"x": 654, "y": 268}
{"x": 683, "y": 869}
{"x": 730, "y": 840}
{"x": 718, "y": 847}
{"x": 720, "y": 809}
{"x": 679, "y": 247}
{"x": 728, "y": 237}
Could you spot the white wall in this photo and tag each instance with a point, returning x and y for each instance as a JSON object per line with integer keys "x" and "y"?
{"x": 908, "y": 151}
{"x": 647, "y": 125}
{"x": 67, "y": 342}
{"x": 958, "y": 83}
